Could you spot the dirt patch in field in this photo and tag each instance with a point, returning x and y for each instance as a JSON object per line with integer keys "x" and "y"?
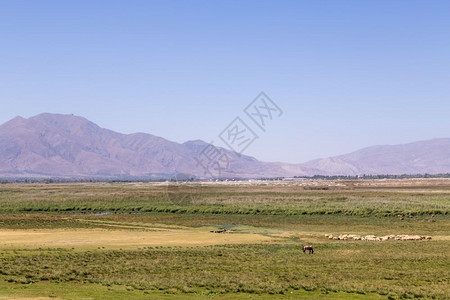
{"x": 29, "y": 298}
{"x": 115, "y": 238}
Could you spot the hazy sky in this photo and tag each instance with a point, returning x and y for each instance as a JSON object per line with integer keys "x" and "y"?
{"x": 347, "y": 74}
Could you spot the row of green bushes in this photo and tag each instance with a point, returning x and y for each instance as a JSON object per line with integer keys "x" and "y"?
{"x": 211, "y": 209}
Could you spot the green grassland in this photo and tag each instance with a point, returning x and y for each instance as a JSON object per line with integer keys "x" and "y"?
{"x": 275, "y": 219}
{"x": 264, "y": 199}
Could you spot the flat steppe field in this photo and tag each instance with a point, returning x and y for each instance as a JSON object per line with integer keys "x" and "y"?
{"x": 226, "y": 240}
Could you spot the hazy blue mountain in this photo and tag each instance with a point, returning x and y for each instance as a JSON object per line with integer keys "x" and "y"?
{"x": 431, "y": 156}
{"x": 67, "y": 145}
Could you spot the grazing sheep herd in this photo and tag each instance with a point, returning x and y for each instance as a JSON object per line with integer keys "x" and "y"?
{"x": 401, "y": 237}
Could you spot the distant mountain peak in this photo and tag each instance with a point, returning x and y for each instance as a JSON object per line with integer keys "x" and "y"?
{"x": 14, "y": 121}
{"x": 17, "y": 119}
{"x": 196, "y": 142}
{"x": 430, "y": 156}
{"x": 66, "y": 118}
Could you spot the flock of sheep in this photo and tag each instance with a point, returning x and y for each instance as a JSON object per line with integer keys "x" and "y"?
{"x": 402, "y": 237}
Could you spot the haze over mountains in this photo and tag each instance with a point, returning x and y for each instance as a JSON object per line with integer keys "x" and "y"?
{"x": 431, "y": 156}
{"x": 71, "y": 146}
{"x": 55, "y": 145}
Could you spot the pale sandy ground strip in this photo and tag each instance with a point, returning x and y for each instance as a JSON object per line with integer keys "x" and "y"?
{"x": 119, "y": 238}
{"x": 33, "y": 298}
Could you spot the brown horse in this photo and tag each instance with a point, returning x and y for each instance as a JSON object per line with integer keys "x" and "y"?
{"x": 309, "y": 248}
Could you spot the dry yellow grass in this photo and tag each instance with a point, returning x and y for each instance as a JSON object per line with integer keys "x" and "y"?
{"x": 117, "y": 238}
{"x": 32, "y": 298}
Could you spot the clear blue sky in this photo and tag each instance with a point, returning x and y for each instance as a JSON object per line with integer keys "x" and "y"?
{"x": 348, "y": 74}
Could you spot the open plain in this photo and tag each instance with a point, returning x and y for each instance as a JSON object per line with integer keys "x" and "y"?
{"x": 225, "y": 239}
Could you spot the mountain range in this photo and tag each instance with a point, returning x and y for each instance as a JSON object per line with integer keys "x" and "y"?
{"x": 68, "y": 146}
